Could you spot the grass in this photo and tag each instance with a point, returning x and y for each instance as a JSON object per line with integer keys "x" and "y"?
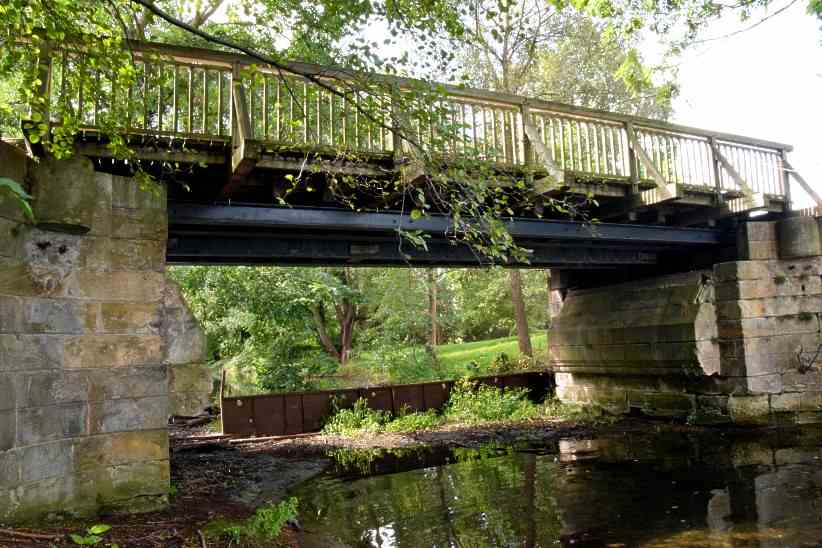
{"x": 410, "y": 364}
{"x": 458, "y": 356}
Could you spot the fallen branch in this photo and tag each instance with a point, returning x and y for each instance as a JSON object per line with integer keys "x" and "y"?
{"x": 37, "y": 536}
{"x": 202, "y": 539}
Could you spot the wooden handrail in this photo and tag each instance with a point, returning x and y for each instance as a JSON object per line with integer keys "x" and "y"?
{"x": 188, "y": 92}
{"x": 227, "y": 60}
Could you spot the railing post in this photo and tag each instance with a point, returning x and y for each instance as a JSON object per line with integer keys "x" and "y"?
{"x": 633, "y": 164}
{"x": 396, "y": 127}
{"x": 717, "y": 171}
{"x": 785, "y": 177}
{"x": 527, "y": 146}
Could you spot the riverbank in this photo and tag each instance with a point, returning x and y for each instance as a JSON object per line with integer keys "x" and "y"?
{"x": 215, "y": 477}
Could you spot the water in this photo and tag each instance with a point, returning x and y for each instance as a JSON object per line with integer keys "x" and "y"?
{"x": 654, "y": 490}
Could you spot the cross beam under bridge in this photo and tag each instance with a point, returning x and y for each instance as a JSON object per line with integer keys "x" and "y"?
{"x": 232, "y": 234}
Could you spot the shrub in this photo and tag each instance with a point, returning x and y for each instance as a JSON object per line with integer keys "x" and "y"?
{"x": 414, "y": 422}
{"x": 261, "y": 529}
{"x": 356, "y": 421}
{"x": 470, "y": 404}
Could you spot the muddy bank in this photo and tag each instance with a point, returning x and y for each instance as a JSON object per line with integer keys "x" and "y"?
{"x": 214, "y": 476}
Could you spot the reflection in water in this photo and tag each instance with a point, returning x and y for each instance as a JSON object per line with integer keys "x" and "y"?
{"x": 633, "y": 490}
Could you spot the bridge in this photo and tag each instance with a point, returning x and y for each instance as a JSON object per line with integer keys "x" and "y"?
{"x": 674, "y": 303}
{"x": 257, "y": 128}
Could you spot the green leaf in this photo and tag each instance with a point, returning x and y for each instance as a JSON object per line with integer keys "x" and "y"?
{"x": 416, "y": 214}
{"x": 99, "y": 529}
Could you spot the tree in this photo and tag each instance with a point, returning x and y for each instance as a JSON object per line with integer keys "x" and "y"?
{"x": 520, "y": 317}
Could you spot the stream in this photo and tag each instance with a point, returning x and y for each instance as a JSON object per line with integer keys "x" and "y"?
{"x": 652, "y": 489}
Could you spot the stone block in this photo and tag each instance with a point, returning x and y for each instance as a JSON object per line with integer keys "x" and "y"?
{"x": 128, "y": 382}
{"x": 101, "y": 218}
{"x": 112, "y": 350}
{"x": 140, "y": 287}
{"x": 127, "y": 194}
{"x": 810, "y": 401}
{"x": 749, "y": 409}
{"x": 765, "y": 384}
{"x": 49, "y": 423}
{"x": 661, "y": 404}
{"x": 9, "y": 387}
{"x": 138, "y": 255}
{"x": 760, "y": 250}
{"x": 126, "y": 318}
{"x": 46, "y": 460}
{"x": 128, "y": 414}
{"x": 29, "y": 352}
{"x": 106, "y": 450}
{"x": 758, "y": 308}
{"x": 785, "y": 403}
{"x": 58, "y": 316}
{"x": 140, "y": 486}
{"x": 147, "y": 224}
{"x": 8, "y": 430}
{"x": 188, "y": 403}
{"x": 53, "y": 387}
{"x": 96, "y": 254}
{"x": 65, "y": 193}
{"x": 799, "y": 237}
{"x": 759, "y": 231}
{"x": 56, "y": 495}
{"x": 9, "y": 469}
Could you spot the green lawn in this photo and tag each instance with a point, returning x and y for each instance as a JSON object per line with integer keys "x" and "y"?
{"x": 456, "y": 356}
{"x": 409, "y": 364}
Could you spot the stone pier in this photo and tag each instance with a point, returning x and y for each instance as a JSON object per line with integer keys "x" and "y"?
{"x": 738, "y": 342}
{"x": 97, "y": 347}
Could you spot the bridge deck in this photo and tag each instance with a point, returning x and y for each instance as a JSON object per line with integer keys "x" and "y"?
{"x": 251, "y": 126}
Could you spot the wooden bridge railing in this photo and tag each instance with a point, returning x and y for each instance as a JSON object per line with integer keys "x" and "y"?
{"x": 188, "y": 93}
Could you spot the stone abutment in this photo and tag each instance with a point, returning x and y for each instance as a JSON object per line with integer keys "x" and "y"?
{"x": 97, "y": 347}
{"x": 739, "y": 342}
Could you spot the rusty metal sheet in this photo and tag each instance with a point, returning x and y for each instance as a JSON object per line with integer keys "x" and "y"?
{"x": 316, "y": 408}
{"x": 497, "y": 382}
{"x": 238, "y": 416}
{"x": 515, "y": 381}
{"x": 378, "y": 398}
{"x": 269, "y": 415}
{"x": 410, "y": 396}
{"x": 345, "y": 399}
{"x": 294, "y": 414}
{"x": 436, "y": 394}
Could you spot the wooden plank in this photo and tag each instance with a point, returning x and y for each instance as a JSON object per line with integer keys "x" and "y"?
{"x": 728, "y": 208}
{"x": 337, "y": 167}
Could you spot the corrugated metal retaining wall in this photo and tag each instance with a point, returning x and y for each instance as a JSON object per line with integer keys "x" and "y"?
{"x": 301, "y": 412}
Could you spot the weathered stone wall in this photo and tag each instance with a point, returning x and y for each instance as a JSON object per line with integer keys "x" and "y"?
{"x": 740, "y": 342}
{"x": 769, "y": 311}
{"x": 88, "y": 329}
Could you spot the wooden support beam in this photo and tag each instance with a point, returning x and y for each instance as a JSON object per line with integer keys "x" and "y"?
{"x": 556, "y": 175}
{"x": 802, "y": 182}
{"x": 646, "y": 161}
{"x": 740, "y": 182}
{"x": 245, "y": 151}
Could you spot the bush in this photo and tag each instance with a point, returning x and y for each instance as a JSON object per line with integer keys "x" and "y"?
{"x": 471, "y": 404}
{"x": 356, "y": 421}
{"x": 261, "y": 529}
{"x": 414, "y": 422}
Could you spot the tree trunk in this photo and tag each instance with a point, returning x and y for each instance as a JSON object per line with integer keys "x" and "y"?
{"x": 523, "y": 334}
{"x": 433, "y": 302}
{"x": 318, "y": 314}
